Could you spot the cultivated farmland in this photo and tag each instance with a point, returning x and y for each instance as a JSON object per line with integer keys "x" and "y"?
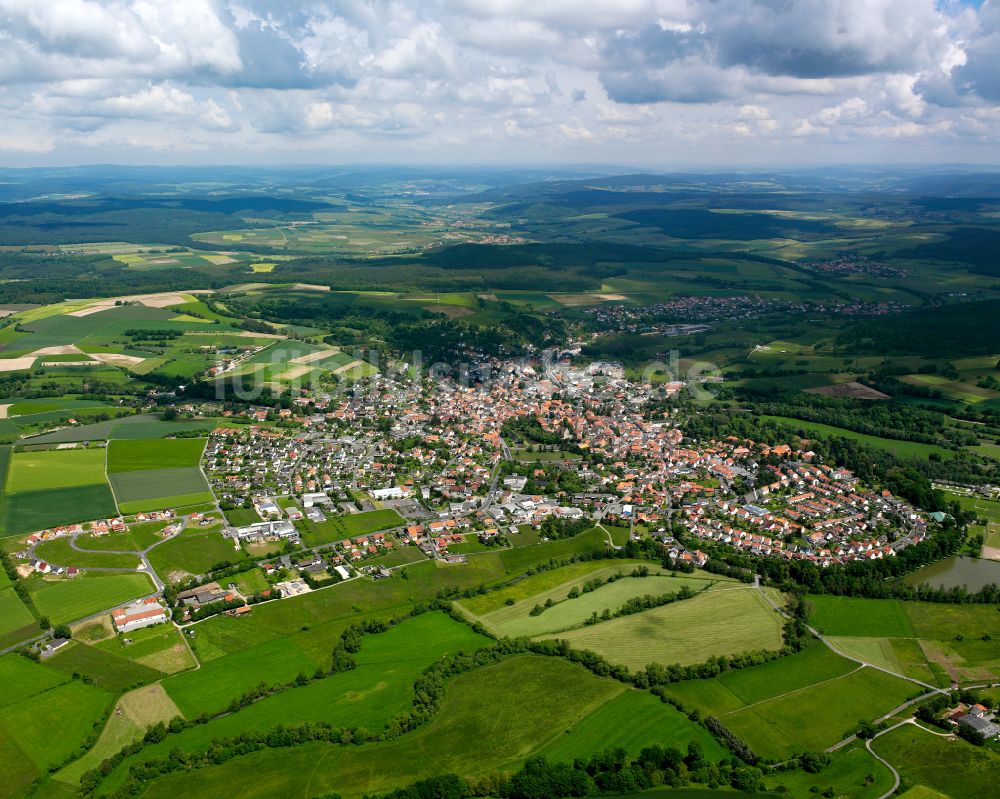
{"x": 68, "y": 600}
{"x": 490, "y": 718}
{"x": 127, "y": 455}
{"x": 721, "y": 621}
{"x": 517, "y": 620}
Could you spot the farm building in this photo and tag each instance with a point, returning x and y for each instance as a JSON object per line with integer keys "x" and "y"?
{"x": 143, "y": 613}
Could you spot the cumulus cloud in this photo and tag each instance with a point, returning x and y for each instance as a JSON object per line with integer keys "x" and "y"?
{"x": 462, "y": 75}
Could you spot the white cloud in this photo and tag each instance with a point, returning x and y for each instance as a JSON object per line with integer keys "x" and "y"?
{"x": 460, "y": 77}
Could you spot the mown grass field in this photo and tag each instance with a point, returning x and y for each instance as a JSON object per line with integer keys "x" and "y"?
{"x": 155, "y": 489}
{"x": 136, "y": 454}
{"x": 369, "y": 696}
{"x": 734, "y": 690}
{"x": 159, "y": 647}
{"x": 814, "y": 718}
{"x": 68, "y": 600}
{"x": 631, "y": 720}
{"x": 337, "y": 528}
{"x": 193, "y": 551}
{"x": 491, "y": 718}
{"x": 106, "y": 669}
{"x": 899, "y": 655}
{"x": 29, "y": 511}
{"x": 848, "y": 775}
{"x": 551, "y": 580}
{"x": 55, "y": 469}
{"x": 517, "y": 620}
{"x": 933, "y": 642}
{"x": 717, "y": 622}
{"x": 140, "y": 709}
{"x": 836, "y": 615}
{"x": 954, "y": 768}
{"x": 59, "y": 551}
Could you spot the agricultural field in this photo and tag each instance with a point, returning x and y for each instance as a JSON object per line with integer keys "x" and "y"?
{"x": 145, "y": 454}
{"x": 60, "y": 552}
{"x": 153, "y": 474}
{"x": 45, "y": 734}
{"x": 108, "y": 670}
{"x": 631, "y": 720}
{"x": 159, "y": 647}
{"x": 68, "y": 600}
{"x": 721, "y": 621}
{"x": 369, "y": 696}
{"x": 193, "y": 551}
{"x": 853, "y": 773}
{"x": 951, "y": 767}
{"x": 16, "y": 621}
{"x": 140, "y": 708}
{"x": 516, "y": 620}
{"x": 733, "y": 690}
{"x": 933, "y": 642}
{"x": 491, "y": 718}
{"x": 783, "y": 706}
{"x": 337, "y": 528}
{"x": 808, "y": 720}
{"x": 45, "y": 488}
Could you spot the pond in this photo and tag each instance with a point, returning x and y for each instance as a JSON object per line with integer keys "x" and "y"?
{"x": 958, "y": 570}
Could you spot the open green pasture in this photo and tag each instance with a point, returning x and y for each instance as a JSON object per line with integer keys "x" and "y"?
{"x": 128, "y": 455}
{"x": 23, "y": 679}
{"x": 516, "y": 620}
{"x": 814, "y": 718}
{"x": 735, "y": 689}
{"x": 838, "y": 615}
{"x": 155, "y": 489}
{"x": 368, "y": 697}
{"x": 520, "y": 559}
{"x": 105, "y": 669}
{"x": 28, "y": 511}
{"x": 336, "y": 607}
{"x": 56, "y": 468}
{"x": 68, "y": 600}
{"x": 193, "y": 551}
{"x": 490, "y": 719}
{"x": 145, "y": 425}
{"x": 211, "y": 688}
{"x": 337, "y": 528}
{"x": 60, "y": 552}
{"x": 852, "y": 773}
{"x": 631, "y": 720}
{"x": 16, "y": 621}
{"x": 952, "y": 767}
{"x": 718, "y": 622}
{"x": 54, "y": 724}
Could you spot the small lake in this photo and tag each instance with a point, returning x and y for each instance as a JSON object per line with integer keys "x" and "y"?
{"x": 958, "y": 570}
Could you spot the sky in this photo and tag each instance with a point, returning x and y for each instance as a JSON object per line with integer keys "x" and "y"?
{"x": 632, "y": 82}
